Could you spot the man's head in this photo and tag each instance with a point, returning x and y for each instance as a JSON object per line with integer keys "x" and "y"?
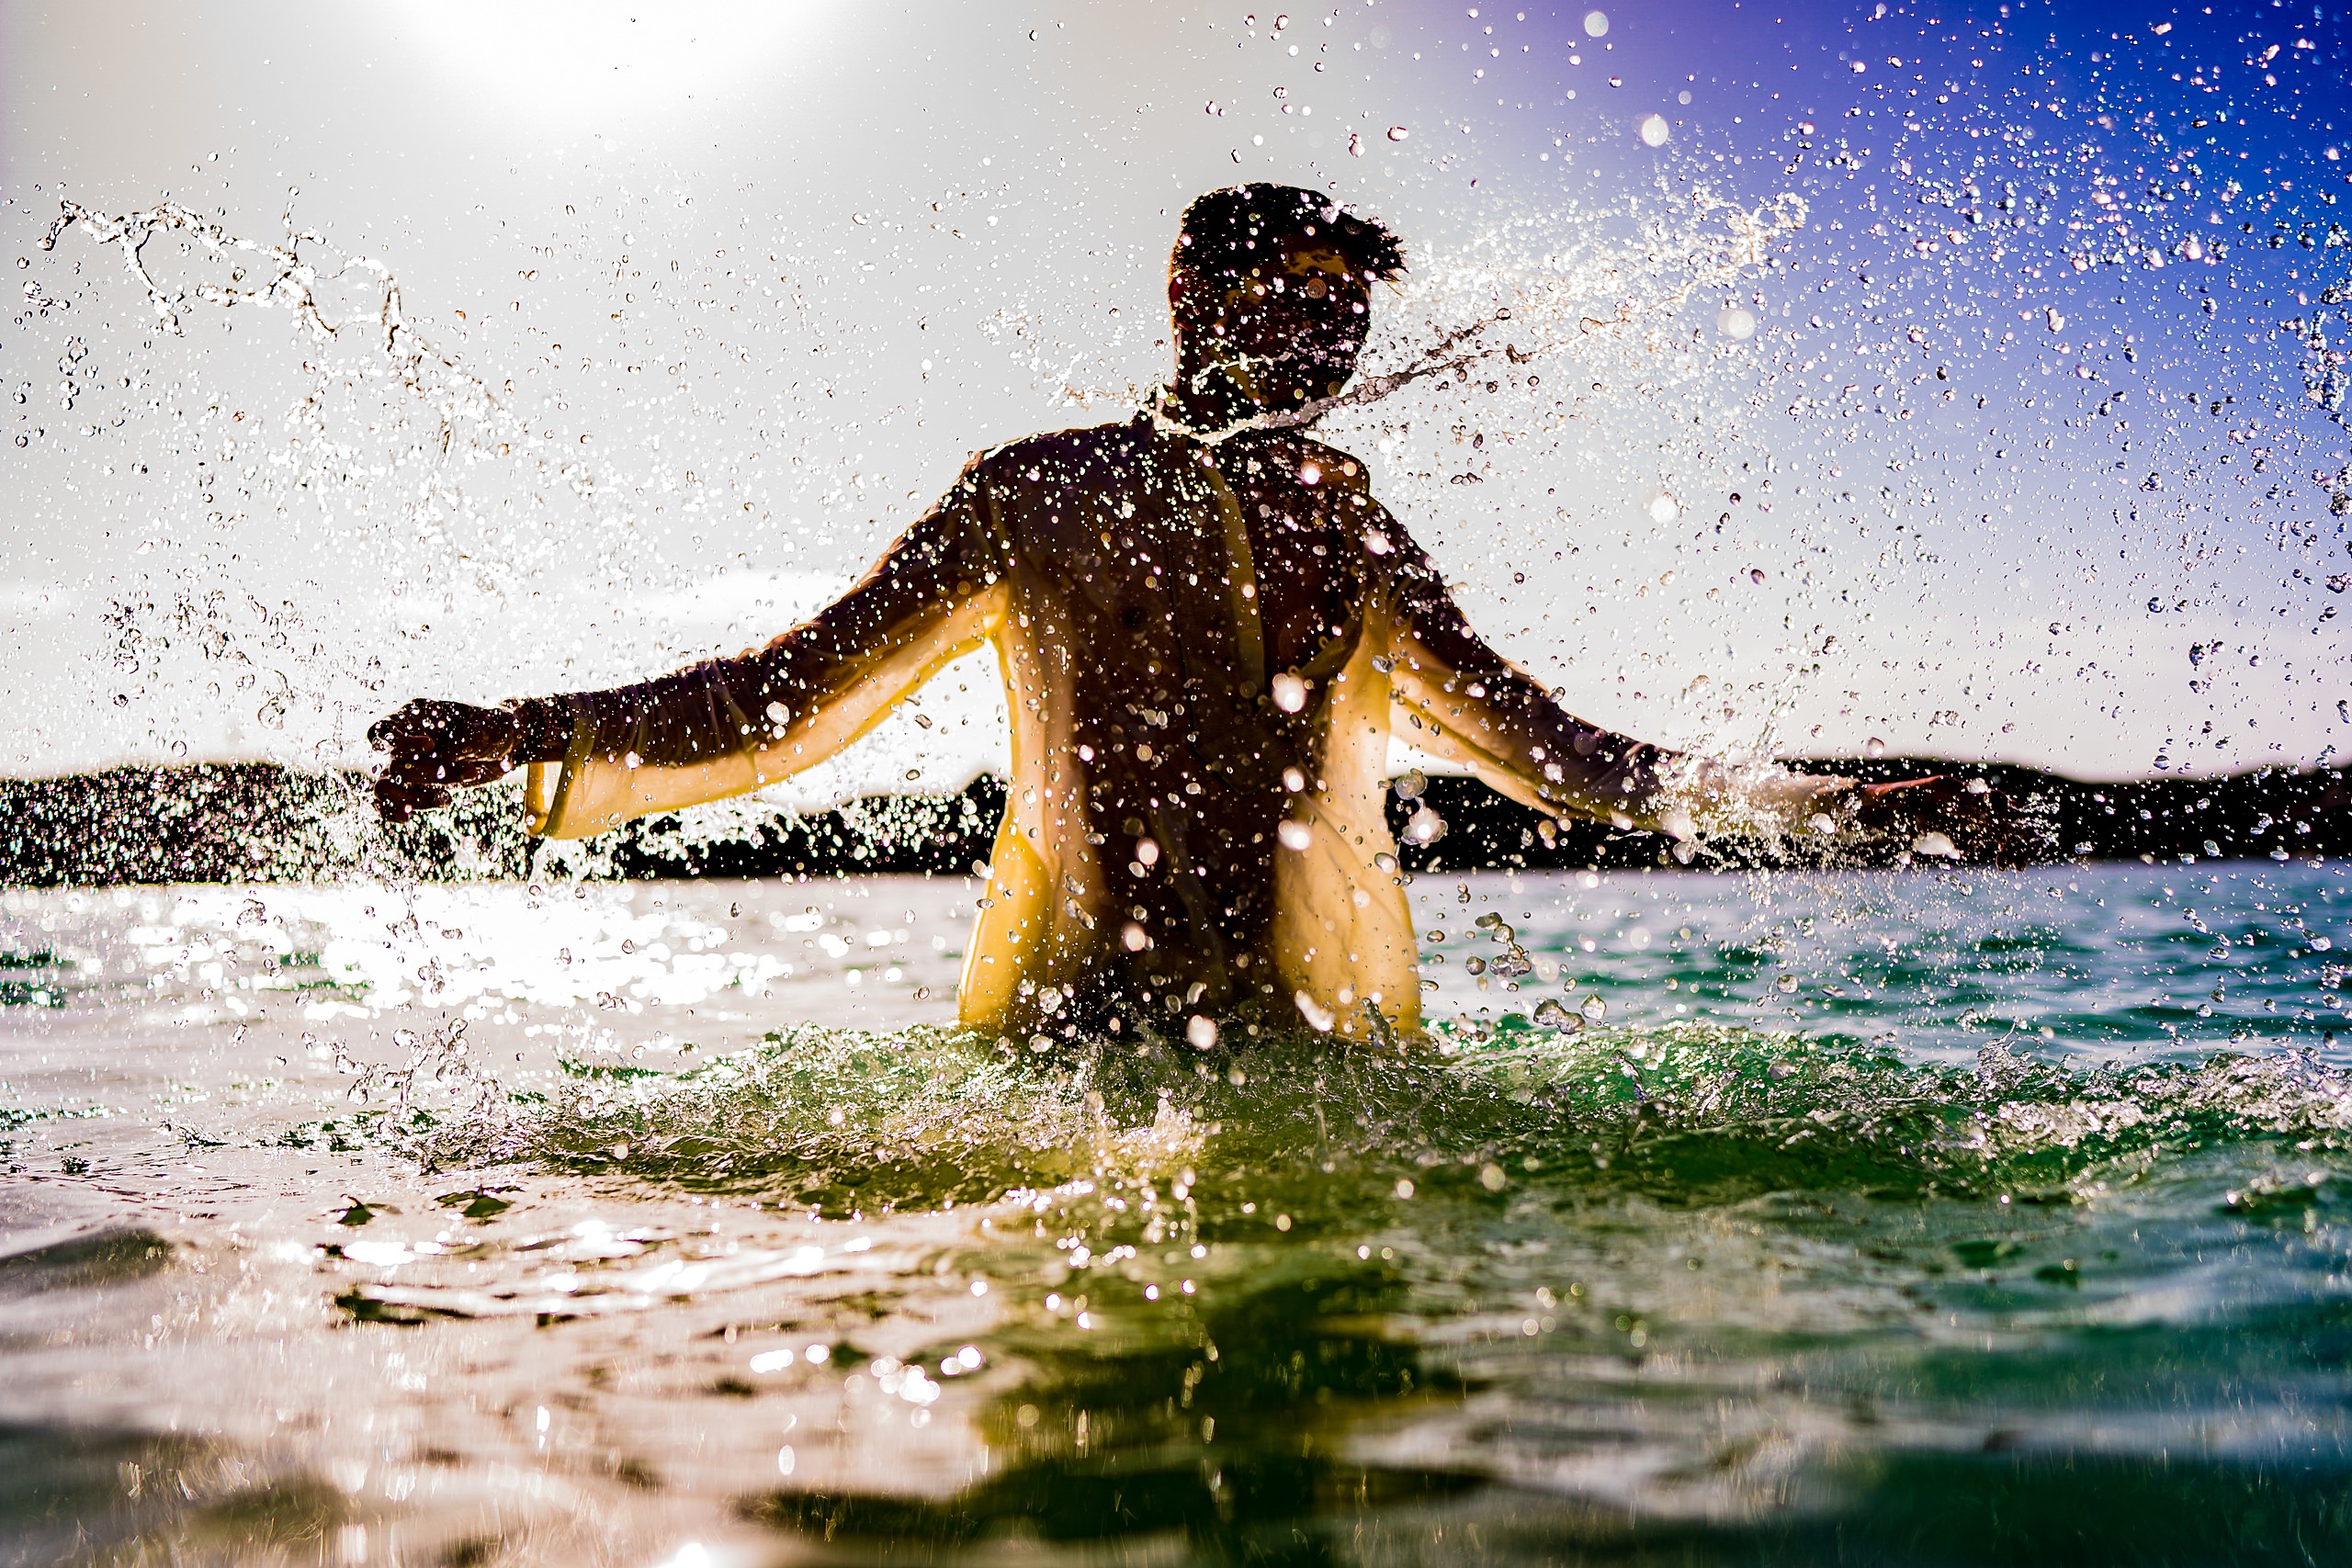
{"x": 1270, "y": 286}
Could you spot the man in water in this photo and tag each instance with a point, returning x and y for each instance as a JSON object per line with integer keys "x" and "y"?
{"x": 1208, "y": 629}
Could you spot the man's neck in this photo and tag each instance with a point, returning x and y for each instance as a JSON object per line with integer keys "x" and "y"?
{"x": 1209, "y": 399}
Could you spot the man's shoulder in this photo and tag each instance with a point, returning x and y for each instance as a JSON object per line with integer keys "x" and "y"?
{"x": 1338, "y": 474}
{"x": 1062, "y": 454}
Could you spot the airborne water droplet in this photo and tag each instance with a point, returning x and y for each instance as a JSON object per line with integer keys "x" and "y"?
{"x": 1737, "y": 323}
{"x": 1398, "y": 133}
{"x": 1593, "y": 1008}
{"x": 1873, "y": 748}
{"x": 1550, "y": 1014}
{"x": 1596, "y": 23}
{"x": 1654, "y": 130}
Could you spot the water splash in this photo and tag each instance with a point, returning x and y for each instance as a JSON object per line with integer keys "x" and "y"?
{"x": 290, "y": 278}
{"x": 835, "y": 1121}
{"x": 303, "y": 272}
{"x": 1704, "y": 245}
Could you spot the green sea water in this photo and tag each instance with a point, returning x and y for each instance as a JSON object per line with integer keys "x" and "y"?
{"x": 1972, "y": 1218}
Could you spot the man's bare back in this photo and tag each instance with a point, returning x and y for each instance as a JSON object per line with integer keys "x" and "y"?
{"x": 1208, "y": 633}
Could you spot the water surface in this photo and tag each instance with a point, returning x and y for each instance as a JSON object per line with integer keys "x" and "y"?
{"x": 1959, "y": 1219}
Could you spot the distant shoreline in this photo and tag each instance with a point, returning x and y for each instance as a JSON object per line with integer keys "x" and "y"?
{"x": 258, "y": 822}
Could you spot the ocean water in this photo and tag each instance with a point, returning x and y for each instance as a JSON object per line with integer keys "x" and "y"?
{"x": 1974, "y": 1217}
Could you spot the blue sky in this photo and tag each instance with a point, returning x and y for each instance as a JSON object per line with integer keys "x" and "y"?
{"x": 2024, "y": 458}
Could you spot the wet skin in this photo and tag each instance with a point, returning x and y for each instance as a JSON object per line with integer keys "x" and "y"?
{"x": 1206, "y": 639}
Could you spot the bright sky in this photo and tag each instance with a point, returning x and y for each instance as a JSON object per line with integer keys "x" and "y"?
{"x": 2020, "y": 379}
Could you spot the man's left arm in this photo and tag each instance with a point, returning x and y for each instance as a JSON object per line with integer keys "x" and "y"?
{"x": 1467, "y": 704}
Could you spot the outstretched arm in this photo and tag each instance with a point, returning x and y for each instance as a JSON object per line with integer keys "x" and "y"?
{"x": 725, "y": 726}
{"x": 1467, "y": 704}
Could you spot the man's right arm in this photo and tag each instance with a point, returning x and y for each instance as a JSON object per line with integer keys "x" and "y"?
{"x": 724, "y": 726}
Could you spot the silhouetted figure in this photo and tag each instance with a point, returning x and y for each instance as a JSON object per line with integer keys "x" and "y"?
{"x": 1208, "y": 630}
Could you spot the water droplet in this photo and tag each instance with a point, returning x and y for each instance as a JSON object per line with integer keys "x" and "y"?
{"x": 1873, "y": 748}
{"x": 1550, "y": 1014}
{"x": 1786, "y": 983}
{"x": 1593, "y": 1008}
{"x": 1475, "y": 966}
{"x": 1654, "y": 130}
{"x": 1737, "y": 323}
{"x": 1200, "y": 1033}
{"x": 1596, "y": 23}
{"x": 1398, "y": 133}
{"x": 1664, "y": 508}
{"x": 1289, "y": 692}
{"x": 1295, "y": 835}
{"x": 1412, "y": 786}
{"x": 1425, "y": 826}
{"x": 1755, "y": 574}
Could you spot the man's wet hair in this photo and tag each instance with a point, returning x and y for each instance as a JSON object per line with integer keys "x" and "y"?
{"x": 1234, "y": 230}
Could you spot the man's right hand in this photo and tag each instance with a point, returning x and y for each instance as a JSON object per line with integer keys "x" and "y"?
{"x": 437, "y": 748}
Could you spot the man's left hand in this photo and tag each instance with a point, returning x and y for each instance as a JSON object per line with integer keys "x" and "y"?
{"x": 1945, "y": 818}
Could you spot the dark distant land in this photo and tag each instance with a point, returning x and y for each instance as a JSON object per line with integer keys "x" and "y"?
{"x": 258, "y": 822}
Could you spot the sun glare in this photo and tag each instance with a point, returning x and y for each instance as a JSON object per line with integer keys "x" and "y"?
{"x": 566, "y": 60}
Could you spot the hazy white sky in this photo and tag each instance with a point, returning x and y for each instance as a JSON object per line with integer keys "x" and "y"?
{"x": 716, "y": 297}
